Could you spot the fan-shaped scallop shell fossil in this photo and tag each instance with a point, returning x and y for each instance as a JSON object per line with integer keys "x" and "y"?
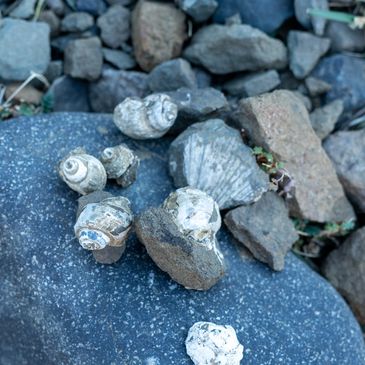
{"x": 105, "y": 223}
{"x": 82, "y": 172}
{"x": 211, "y": 156}
{"x": 146, "y": 118}
{"x": 120, "y": 163}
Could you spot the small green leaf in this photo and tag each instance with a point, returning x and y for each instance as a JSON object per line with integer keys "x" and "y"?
{"x": 257, "y": 150}
{"x": 332, "y": 15}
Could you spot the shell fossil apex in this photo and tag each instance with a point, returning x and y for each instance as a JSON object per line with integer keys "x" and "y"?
{"x": 146, "y": 118}
{"x": 82, "y": 172}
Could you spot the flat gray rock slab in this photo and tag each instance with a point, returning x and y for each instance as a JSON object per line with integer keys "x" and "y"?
{"x": 60, "y": 307}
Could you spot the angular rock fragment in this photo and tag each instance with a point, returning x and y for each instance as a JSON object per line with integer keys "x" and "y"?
{"x": 305, "y": 50}
{"x": 324, "y": 119}
{"x": 211, "y": 156}
{"x": 158, "y": 33}
{"x": 264, "y": 228}
{"x": 346, "y": 149}
{"x": 77, "y": 22}
{"x": 345, "y": 269}
{"x": 93, "y": 7}
{"x": 279, "y": 122}
{"x": 180, "y": 238}
{"x": 49, "y": 17}
{"x": 121, "y": 60}
{"x": 199, "y": 10}
{"x": 304, "y": 99}
{"x": 316, "y": 86}
{"x": 23, "y": 9}
{"x": 316, "y": 23}
{"x": 223, "y": 49}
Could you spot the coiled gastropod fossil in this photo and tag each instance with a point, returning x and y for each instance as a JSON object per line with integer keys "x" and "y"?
{"x": 120, "y": 163}
{"x": 82, "y": 172}
{"x": 146, "y": 118}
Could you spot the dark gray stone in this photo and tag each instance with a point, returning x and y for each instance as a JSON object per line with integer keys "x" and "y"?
{"x": 84, "y": 58}
{"x": 254, "y": 84}
{"x": 115, "y": 26}
{"x": 203, "y": 78}
{"x": 197, "y": 105}
{"x": 305, "y": 50}
{"x": 24, "y": 47}
{"x": 346, "y": 149}
{"x": 316, "y": 23}
{"x": 316, "y": 86}
{"x": 266, "y": 15}
{"x": 347, "y": 77}
{"x": 59, "y": 307}
{"x": 172, "y": 75}
{"x": 119, "y": 59}
{"x": 77, "y": 22}
{"x": 58, "y": 6}
{"x": 49, "y": 17}
{"x": 324, "y": 119}
{"x": 54, "y": 70}
{"x": 113, "y": 87}
{"x": 345, "y": 269}
{"x": 264, "y": 228}
{"x": 60, "y": 43}
{"x": 199, "y": 10}
{"x": 94, "y": 7}
{"x": 69, "y": 95}
{"x": 223, "y": 49}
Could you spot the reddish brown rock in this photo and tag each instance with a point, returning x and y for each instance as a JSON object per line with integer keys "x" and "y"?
{"x": 158, "y": 33}
{"x": 279, "y": 122}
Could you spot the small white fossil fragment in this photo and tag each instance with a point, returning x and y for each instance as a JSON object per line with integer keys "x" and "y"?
{"x": 146, "y": 118}
{"x": 208, "y": 343}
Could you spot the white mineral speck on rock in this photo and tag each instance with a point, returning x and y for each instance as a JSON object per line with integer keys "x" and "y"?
{"x": 212, "y": 344}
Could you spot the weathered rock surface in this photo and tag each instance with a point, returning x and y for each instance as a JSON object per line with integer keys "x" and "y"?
{"x": 305, "y": 50}
{"x": 24, "y": 47}
{"x": 223, "y": 49}
{"x": 211, "y": 156}
{"x": 158, "y": 33}
{"x": 77, "y": 22}
{"x": 316, "y": 23}
{"x": 346, "y": 149}
{"x": 23, "y": 9}
{"x": 264, "y": 228}
{"x": 60, "y": 307}
{"x": 345, "y": 269}
{"x": 266, "y": 15}
{"x": 324, "y": 119}
{"x": 279, "y": 122}
{"x": 113, "y": 87}
{"x": 94, "y": 7}
{"x": 121, "y": 60}
{"x": 199, "y": 10}
{"x": 54, "y": 23}
{"x": 172, "y": 75}
{"x": 316, "y": 86}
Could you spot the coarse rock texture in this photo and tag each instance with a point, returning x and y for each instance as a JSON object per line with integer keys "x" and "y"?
{"x": 199, "y": 10}
{"x": 171, "y": 75}
{"x": 24, "y": 9}
{"x": 158, "y": 33}
{"x": 305, "y": 50}
{"x": 211, "y": 156}
{"x": 346, "y": 75}
{"x": 115, "y": 26}
{"x": 113, "y": 87}
{"x": 24, "y": 48}
{"x": 304, "y": 99}
{"x": 345, "y": 269}
{"x": 279, "y": 123}
{"x": 318, "y": 24}
{"x": 54, "y": 23}
{"x": 252, "y": 85}
{"x": 119, "y": 59}
{"x": 94, "y": 7}
{"x": 84, "y": 59}
{"x": 316, "y": 86}
{"x": 266, "y": 15}
{"x": 60, "y": 307}
{"x": 264, "y": 228}
{"x": 223, "y": 49}
{"x": 346, "y": 149}
{"x": 324, "y": 119}
{"x": 77, "y": 22}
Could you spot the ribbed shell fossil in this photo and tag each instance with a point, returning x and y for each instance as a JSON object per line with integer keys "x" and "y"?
{"x": 211, "y": 156}
{"x": 82, "y": 172}
{"x": 146, "y": 118}
{"x": 120, "y": 163}
{"x": 102, "y": 224}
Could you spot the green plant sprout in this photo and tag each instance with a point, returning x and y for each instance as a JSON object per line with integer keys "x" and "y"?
{"x": 354, "y": 21}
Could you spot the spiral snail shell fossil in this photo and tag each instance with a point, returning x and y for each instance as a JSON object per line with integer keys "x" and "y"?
{"x": 146, "y": 118}
{"x": 82, "y": 172}
{"x": 104, "y": 223}
{"x": 120, "y": 163}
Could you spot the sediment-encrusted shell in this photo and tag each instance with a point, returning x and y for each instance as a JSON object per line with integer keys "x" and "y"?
{"x": 106, "y": 223}
{"x": 208, "y": 343}
{"x": 120, "y": 163}
{"x": 211, "y": 156}
{"x": 82, "y": 172}
{"x": 146, "y": 118}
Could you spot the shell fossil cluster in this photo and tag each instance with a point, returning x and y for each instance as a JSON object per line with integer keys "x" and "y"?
{"x": 146, "y": 118}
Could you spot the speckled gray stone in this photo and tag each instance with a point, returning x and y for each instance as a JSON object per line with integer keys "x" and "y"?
{"x": 59, "y": 307}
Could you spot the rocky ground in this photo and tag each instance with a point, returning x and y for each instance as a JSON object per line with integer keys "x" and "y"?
{"x": 286, "y": 167}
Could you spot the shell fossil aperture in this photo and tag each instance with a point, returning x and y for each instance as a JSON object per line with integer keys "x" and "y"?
{"x": 82, "y": 172}
{"x": 104, "y": 223}
{"x": 120, "y": 163}
{"x": 146, "y": 118}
